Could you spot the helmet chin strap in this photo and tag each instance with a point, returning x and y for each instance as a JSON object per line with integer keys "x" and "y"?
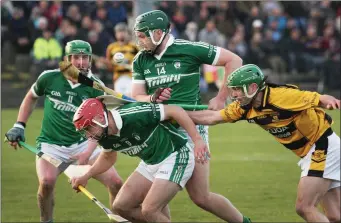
{"x": 159, "y": 42}
{"x": 152, "y": 37}
{"x": 105, "y": 125}
{"x": 251, "y": 96}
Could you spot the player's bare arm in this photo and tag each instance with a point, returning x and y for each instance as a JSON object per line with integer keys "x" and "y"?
{"x": 104, "y": 162}
{"x": 181, "y": 117}
{"x": 231, "y": 62}
{"x": 329, "y": 102}
{"x": 83, "y": 158}
{"x": 27, "y": 107}
{"x": 206, "y": 117}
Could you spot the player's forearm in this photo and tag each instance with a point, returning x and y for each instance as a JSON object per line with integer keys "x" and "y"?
{"x": 92, "y": 145}
{"x": 142, "y": 98}
{"x": 27, "y": 107}
{"x": 103, "y": 163}
{"x": 206, "y": 117}
{"x": 182, "y": 118}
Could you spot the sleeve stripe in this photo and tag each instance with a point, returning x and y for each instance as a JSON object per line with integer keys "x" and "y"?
{"x": 215, "y": 61}
{"x": 193, "y": 44}
{"x": 33, "y": 91}
{"x": 162, "y": 112}
{"x": 138, "y": 81}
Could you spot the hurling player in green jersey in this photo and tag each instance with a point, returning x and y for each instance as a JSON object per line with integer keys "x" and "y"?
{"x": 167, "y": 70}
{"x": 58, "y": 137}
{"x": 139, "y": 129}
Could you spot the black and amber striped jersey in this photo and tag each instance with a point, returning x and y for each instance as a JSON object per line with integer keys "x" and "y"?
{"x": 129, "y": 51}
{"x": 291, "y": 115}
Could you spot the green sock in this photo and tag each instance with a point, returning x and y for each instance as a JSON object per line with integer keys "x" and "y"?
{"x": 246, "y": 219}
{"x": 49, "y": 221}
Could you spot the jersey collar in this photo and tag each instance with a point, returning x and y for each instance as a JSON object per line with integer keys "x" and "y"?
{"x": 118, "y": 120}
{"x": 169, "y": 42}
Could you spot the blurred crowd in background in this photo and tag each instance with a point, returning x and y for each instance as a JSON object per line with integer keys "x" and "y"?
{"x": 294, "y": 38}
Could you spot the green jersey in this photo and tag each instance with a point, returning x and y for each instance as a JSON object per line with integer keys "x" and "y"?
{"x": 177, "y": 67}
{"x": 143, "y": 134}
{"x": 62, "y": 99}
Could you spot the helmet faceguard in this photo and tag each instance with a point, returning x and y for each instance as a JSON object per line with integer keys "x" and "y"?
{"x": 242, "y": 78}
{"x": 79, "y": 47}
{"x": 148, "y": 22}
{"x": 86, "y": 118}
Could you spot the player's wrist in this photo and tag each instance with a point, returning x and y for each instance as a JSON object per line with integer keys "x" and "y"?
{"x": 151, "y": 98}
{"x": 21, "y": 125}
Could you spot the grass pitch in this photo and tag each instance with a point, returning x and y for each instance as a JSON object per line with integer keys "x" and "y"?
{"x": 248, "y": 166}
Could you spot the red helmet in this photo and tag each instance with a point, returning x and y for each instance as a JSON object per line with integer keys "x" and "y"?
{"x": 86, "y": 113}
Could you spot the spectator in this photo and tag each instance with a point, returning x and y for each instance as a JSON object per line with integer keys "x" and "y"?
{"x": 46, "y": 52}
{"x": 191, "y": 32}
{"x": 250, "y": 22}
{"x": 98, "y": 61}
{"x": 240, "y": 45}
{"x": 255, "y": 54}
{"x": 291, "y": 50}
{"x": 211, "y": 35}
{"x": 202, "y": 17}
{"x": 104, "y": 37}
{"x": 101, "y": 15}
{"x": 71, "y": 33}
{"x": 19, "y": 32}
{"x": 85, "y": 28}
{"x": 174, "y": 30}
{"x": 74, "y": 15}
{"x": 117, "y": 13}
{"x": 225, "y": 24}
{"x": 54, "y": 19}
{"x": 179, "y": 20}
{"x": 61, "y": 32}
{"x": 269, "y": 46}
{"x": 313, "y": 53}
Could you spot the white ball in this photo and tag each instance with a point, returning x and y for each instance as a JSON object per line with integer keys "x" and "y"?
{"x": 118, "y": 57}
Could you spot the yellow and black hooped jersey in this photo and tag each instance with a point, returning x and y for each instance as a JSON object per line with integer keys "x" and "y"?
{"x": 291, "y": 115}
{"x": 129, "y": 51}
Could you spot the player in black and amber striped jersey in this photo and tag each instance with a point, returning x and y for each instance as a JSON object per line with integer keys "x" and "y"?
{"x": 297, "y": 120}
{"x": 122, "y": 72}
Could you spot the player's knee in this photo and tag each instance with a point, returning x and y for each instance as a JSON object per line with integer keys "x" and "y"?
{"x": 47, "y": 183}
{"x": 114, "y": 185}
{"x": 200, "y": 200}
{"x": 117, "y": 182}
{"x": 119, "y": 207}
{"x": 302, "y": 209}
{"x": 148, "y": 211}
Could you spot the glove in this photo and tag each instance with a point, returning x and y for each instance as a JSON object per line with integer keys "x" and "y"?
{"x": 160, "y": 95}
{"x": 16, "y": 133}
